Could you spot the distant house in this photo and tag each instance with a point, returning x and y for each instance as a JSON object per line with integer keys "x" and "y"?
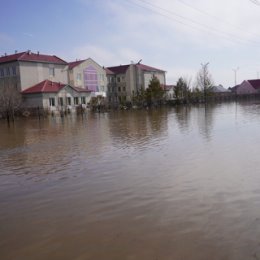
{"x": 219, "y": 89}
{"x": 24, "y": 69}
{"x": 55, "y": 96}
{"x": 126, "y": 81}
{"x": 247, "y": 87}
{"x": 89, "y": 75}
{"x": 169, "y": 91}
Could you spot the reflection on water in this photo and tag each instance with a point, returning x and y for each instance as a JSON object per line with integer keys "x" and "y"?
{"x": 180, "y": 183}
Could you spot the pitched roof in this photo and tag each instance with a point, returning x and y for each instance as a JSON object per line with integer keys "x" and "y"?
{"x": 119, "y": 69}
{"x": 45, "y": 86}
{"x": 48, "y": 86}
{"x": 75, "y": 63}
{"x": 219, "y": 88}
{"x": 30, "y": 56}
{"x": 109, "y": 72}
{"x": 123, "y": 68}
{"x": 148, "y": 68}
{"x": 255, "y": 83}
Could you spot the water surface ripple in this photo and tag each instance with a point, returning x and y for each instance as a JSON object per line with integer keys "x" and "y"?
{"x": 179, "y": 183}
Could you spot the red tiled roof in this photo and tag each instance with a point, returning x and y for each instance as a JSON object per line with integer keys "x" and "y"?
{"x": 109, "y": 72}
{"x": 123, "y": 68}
{"x": 45, "y": 86}
{"x": 29, "y": 56}
{"x": 75, "y": 63}
{"x": 148, "y": 68}
{"x": 255, "y": 83}
{"x": 119, "y": 69}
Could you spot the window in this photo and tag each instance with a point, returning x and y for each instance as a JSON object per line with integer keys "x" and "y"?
{"x": 83, "y": 100}
{"x": 14, "y": 70}
{"x": 69, "y": 101}
{"x": 118, "y": 79}
{"x": 2, "y": 73}
{"x": 61, "y": 101}
{"x": 119, "y": 89}
{"x": 123, "y": 88}
{"x": 52, "y": 101}
{"x": 52, "y": 72}
{"x": 76, "y": 100}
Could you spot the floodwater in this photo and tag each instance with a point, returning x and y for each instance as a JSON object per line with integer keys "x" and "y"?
{"x": 177, "y": 183}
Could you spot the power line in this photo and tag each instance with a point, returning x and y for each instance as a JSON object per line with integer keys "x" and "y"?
{"x": 220, "y": 19}
{"x": 204, "y": 27}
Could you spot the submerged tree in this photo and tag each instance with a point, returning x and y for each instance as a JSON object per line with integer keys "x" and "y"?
{"x": 10, "y": 101}
{"x": 154, "y": 93}
{"x": 182, "y": 89}
{"x": 204, "y": 81}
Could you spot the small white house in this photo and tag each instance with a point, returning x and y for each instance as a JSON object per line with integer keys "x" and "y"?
{"x": 55, "y": 96}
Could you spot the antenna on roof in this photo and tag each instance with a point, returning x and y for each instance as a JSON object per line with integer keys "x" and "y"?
{"x": 139, "y": 61}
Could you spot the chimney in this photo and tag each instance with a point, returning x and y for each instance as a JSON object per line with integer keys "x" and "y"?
{"x": 38, "y": 53}
{"x": 29, "y": 52}
{"x": 5, "y": 54}
{"x": 15, "y": 51}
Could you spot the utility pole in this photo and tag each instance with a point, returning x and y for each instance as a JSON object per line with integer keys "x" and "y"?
{"x": 235, "y": 71}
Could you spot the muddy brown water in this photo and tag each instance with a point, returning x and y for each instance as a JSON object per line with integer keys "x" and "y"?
{"x": 179, "y": 183}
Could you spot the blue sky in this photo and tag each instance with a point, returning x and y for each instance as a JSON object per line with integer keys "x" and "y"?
{"x": 174, "y": 35}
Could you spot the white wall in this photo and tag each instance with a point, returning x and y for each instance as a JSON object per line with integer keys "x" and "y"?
{"x": 32, "y": 73}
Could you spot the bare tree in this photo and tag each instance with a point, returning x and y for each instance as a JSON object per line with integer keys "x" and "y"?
{"x": 204, "y": 81}
{"x": 10, "y": 101}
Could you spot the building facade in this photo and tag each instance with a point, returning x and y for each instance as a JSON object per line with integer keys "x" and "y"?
{"x": 89, "y": 75}
{"x": 247, "y": 87}
{"x": 24, "y": 69}
{"x": 55, "y": 96}
{"x": 126, "y": 81}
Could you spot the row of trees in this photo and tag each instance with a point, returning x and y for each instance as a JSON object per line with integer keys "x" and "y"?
{"x": 154, "y": 94}
{"x": 202, "y": 88}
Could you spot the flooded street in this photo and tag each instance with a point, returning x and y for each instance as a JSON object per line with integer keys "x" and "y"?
{"x": 177, "y": 183}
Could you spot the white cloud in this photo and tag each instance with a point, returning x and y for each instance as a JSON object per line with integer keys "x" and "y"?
{"x": 178, "y": 35}
{"x": 105, "y": 56}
